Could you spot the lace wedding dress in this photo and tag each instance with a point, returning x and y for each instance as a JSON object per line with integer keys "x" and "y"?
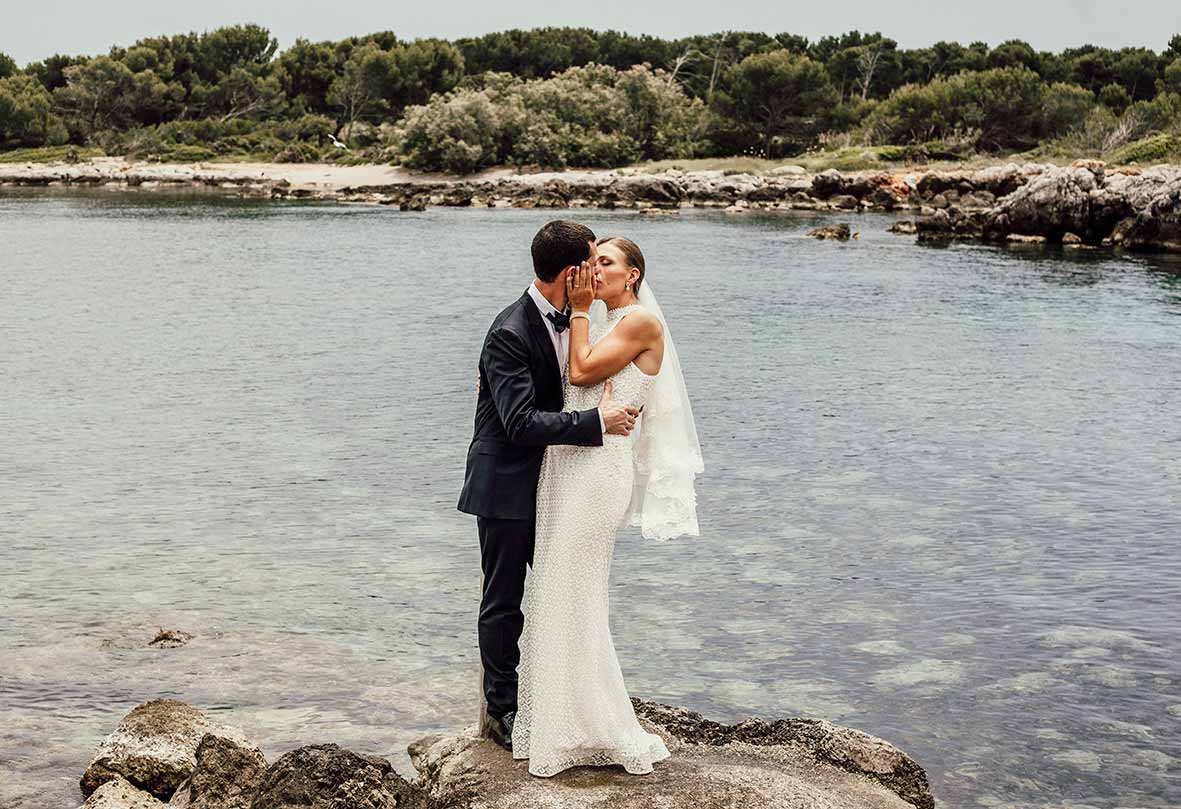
{"x": 573, "y": 708}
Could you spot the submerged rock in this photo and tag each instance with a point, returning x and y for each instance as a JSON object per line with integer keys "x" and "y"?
{"x": 154, "y": 748}
{"x": 327, "y": 776}
{"x": 170, "y": 638}
{"x": 839, "y": 232}
{"x": 789, "y": 763}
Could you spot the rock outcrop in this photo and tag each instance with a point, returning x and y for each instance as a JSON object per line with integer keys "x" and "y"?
{"x": 154, "y": 748}
{"x": 326, "y": 776}
{"x": 226, "y": 775}
{"x": 1082, "y": 204}
{"x": 1125, "y": 207}
{"x": 785, "y": 763}
{"x": 804, "y": 763}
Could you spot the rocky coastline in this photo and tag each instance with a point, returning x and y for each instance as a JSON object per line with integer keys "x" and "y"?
{"x": 166, "y": 753}
{"x": 1085, "y": 204}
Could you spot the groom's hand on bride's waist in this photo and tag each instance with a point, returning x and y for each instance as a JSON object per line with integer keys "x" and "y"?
{"x": 618, "y": 419}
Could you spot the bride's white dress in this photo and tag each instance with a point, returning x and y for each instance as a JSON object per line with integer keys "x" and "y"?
{"x": 573, "y": 708}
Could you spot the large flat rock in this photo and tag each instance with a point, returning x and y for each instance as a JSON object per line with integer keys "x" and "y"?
{"x": 786, "y": 764}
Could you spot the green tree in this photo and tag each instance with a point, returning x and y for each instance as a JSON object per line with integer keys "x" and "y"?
{"x": 1091, "y": 67}
{"x": 223, "y": 50}
{"x": 306, "y": 71}
{"x": 530, "y": 54}
{"x": 423, "y": 67}
{"x": 1170, "y": 80}
{"x": 1063, "y": 107}
{"x": 1115, "y": 98}
{"x": 26, "y": 116}
{"x": 51, "y": 72}
{"x": 362, "y": 85}
{"x": 1014, "y": 53}
{"x": 778, "y": 100}
{"x": 7, "y": 66}
{"x": 1137, "y": 72}
{"x": 942, "y": 59}
{"x": 248, "y": 94}
{"x": 105, "y": 94}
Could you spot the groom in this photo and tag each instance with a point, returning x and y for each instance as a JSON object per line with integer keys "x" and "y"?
{"x": 518, "y": 413}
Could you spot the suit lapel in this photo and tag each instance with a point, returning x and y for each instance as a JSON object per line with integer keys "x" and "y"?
{"x": 541, "y": 338}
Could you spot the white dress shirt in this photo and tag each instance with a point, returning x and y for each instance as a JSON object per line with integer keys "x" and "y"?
{"x": 561, "y": 341}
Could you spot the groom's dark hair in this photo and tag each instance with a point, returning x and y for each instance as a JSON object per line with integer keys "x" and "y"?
{"x": 559, "y": 244}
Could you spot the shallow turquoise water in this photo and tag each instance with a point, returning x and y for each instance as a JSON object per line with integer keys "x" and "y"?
{"x": 941, "y": 501}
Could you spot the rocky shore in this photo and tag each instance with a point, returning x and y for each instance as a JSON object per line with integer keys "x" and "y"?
{"x": 1084, "y": 204}
{"x": 166, "y": 753}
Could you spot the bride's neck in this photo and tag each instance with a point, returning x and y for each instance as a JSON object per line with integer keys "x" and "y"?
{"x": 618, "y": 302}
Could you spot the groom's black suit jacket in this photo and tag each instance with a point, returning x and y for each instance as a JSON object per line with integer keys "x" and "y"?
{"x": 518, "y": 413}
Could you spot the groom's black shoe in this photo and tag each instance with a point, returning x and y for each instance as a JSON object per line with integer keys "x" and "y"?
{"x": 501, "y": 730}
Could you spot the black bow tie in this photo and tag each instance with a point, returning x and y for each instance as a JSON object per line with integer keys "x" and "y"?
{"x": 561, "y": 320}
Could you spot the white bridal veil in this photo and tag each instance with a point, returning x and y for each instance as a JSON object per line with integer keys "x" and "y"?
{"x": 666, "y": 451}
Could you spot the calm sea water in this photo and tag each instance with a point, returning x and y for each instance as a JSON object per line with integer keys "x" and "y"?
{"x": 941, "y": 502}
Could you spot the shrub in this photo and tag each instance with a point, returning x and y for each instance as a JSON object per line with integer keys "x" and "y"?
{"x": 50, "y": 154}
{"x": 298, "y": 153}
{"x": 206, "y": 138}
{"x": 592, "y": 116}
{"x": 1009, "y": 108}
{"x": 1091, "y": 137}
{"x": 1153, "y": 149}
{"x": 184, "y": 153}
{"x": 1162, "y": 113}
{"x": 461, "y": 131}
{"x": 894, "y": 154}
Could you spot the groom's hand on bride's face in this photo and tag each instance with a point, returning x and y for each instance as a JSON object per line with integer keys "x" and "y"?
{"x": 617, "y": 418}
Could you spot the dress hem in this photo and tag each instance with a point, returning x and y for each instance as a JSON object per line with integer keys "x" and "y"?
{"x": 634, "y": 763}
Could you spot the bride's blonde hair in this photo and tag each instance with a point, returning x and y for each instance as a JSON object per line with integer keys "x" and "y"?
{"x": 631, "y": 251}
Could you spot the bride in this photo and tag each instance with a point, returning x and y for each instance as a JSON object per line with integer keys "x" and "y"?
{"x": 573, "y": 706}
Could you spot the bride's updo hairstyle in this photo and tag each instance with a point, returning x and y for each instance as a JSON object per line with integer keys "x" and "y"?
{"x": 631, "y": 251}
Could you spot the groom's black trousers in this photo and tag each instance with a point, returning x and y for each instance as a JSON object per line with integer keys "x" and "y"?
{"x": 506, "y": 550}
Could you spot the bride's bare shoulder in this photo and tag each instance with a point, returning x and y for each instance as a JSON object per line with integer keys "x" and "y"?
{"x": 642, "y": 325}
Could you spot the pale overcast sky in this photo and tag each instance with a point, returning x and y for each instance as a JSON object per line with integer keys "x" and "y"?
{"x": 34, "y": 29}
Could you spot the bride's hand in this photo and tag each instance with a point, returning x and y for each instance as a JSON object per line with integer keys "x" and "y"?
{"x": 580, "y": 287}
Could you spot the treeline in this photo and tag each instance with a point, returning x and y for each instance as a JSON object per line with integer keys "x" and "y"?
{"x": 577, "y": 97}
